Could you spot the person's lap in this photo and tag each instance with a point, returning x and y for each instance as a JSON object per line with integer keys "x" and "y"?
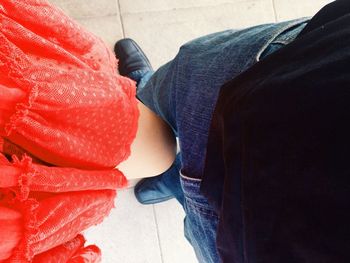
{"x": 184, "y": 91}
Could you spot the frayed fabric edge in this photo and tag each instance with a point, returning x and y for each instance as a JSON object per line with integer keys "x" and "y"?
{"x": 21, "y": 111}
{"x": 28, "y": 207}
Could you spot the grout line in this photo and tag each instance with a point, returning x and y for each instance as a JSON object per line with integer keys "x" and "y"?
{"x": 158, "y": 236}
{"x": 179, "y": 8}
{"x": 274, "y": 9}
{"x": 91, "y": 17}
{"x": 121, "y": 18}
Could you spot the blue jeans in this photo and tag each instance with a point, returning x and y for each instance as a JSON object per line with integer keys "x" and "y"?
{"x": 183, "y": 92}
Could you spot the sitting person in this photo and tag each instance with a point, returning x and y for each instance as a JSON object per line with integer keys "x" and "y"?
{"x": 261, "y": 173}
{"x": 67, "y": 119}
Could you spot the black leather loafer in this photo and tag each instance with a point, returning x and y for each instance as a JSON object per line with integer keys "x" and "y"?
{"x": 131, "y": 57}
{"x": 152, "y": 191}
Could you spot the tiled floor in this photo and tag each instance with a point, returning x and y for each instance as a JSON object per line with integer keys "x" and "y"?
{"x": 140, "y": 234}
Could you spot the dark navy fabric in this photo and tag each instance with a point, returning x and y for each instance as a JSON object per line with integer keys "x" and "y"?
{"x": 279, "y": 145}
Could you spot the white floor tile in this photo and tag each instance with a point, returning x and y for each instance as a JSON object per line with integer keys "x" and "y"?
{"x": 174, "y": 247}
{"x": 161, "y": 33}
{"x": 108, "y": 28}
{"x": 137, "y": 6}
{"x": 129, "y": 234}
{"x": 100, "y": 17}
{"x": 90, "y": 8}
{"x": 286, "y": 9}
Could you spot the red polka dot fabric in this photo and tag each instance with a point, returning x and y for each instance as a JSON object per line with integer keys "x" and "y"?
{"x": 67, "y": 119}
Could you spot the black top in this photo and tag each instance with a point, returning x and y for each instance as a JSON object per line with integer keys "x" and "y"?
{"x": 279, "y": 145}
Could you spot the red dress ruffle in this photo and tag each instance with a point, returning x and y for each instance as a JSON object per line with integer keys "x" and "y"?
{"x": 66, "y": 119}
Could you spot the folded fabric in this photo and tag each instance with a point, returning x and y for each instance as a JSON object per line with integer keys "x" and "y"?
{"x": 67, "y": 119}
{"x": 72, "y": 251}
{"x": 68, "y": 106}
{"x": 11, "y": 228}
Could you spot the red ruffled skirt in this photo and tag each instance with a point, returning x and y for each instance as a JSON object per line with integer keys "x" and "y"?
{"x": 66, "y": 120}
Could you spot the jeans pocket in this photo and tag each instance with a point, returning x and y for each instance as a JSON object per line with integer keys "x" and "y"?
{"x": 200, "y": 207}
{"x": 282, "y": 37}
{"x": 201, "y": 221}
{"x": 194, "y": 200}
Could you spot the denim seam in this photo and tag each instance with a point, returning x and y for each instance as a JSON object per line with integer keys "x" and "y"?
{"x": 192, "y": 180}
{"x": 276, "y": 34}
{"x": 156, "y": 102}
{"x": 201, "y": 209}
{"x": 283, "y": 42}
{"x": 283, "y": 39}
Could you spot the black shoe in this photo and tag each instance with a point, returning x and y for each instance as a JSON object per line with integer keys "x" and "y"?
{"x": 162, "y": 187}
{"x": 152, "y": 190}
{"x": 131, "y": 57}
